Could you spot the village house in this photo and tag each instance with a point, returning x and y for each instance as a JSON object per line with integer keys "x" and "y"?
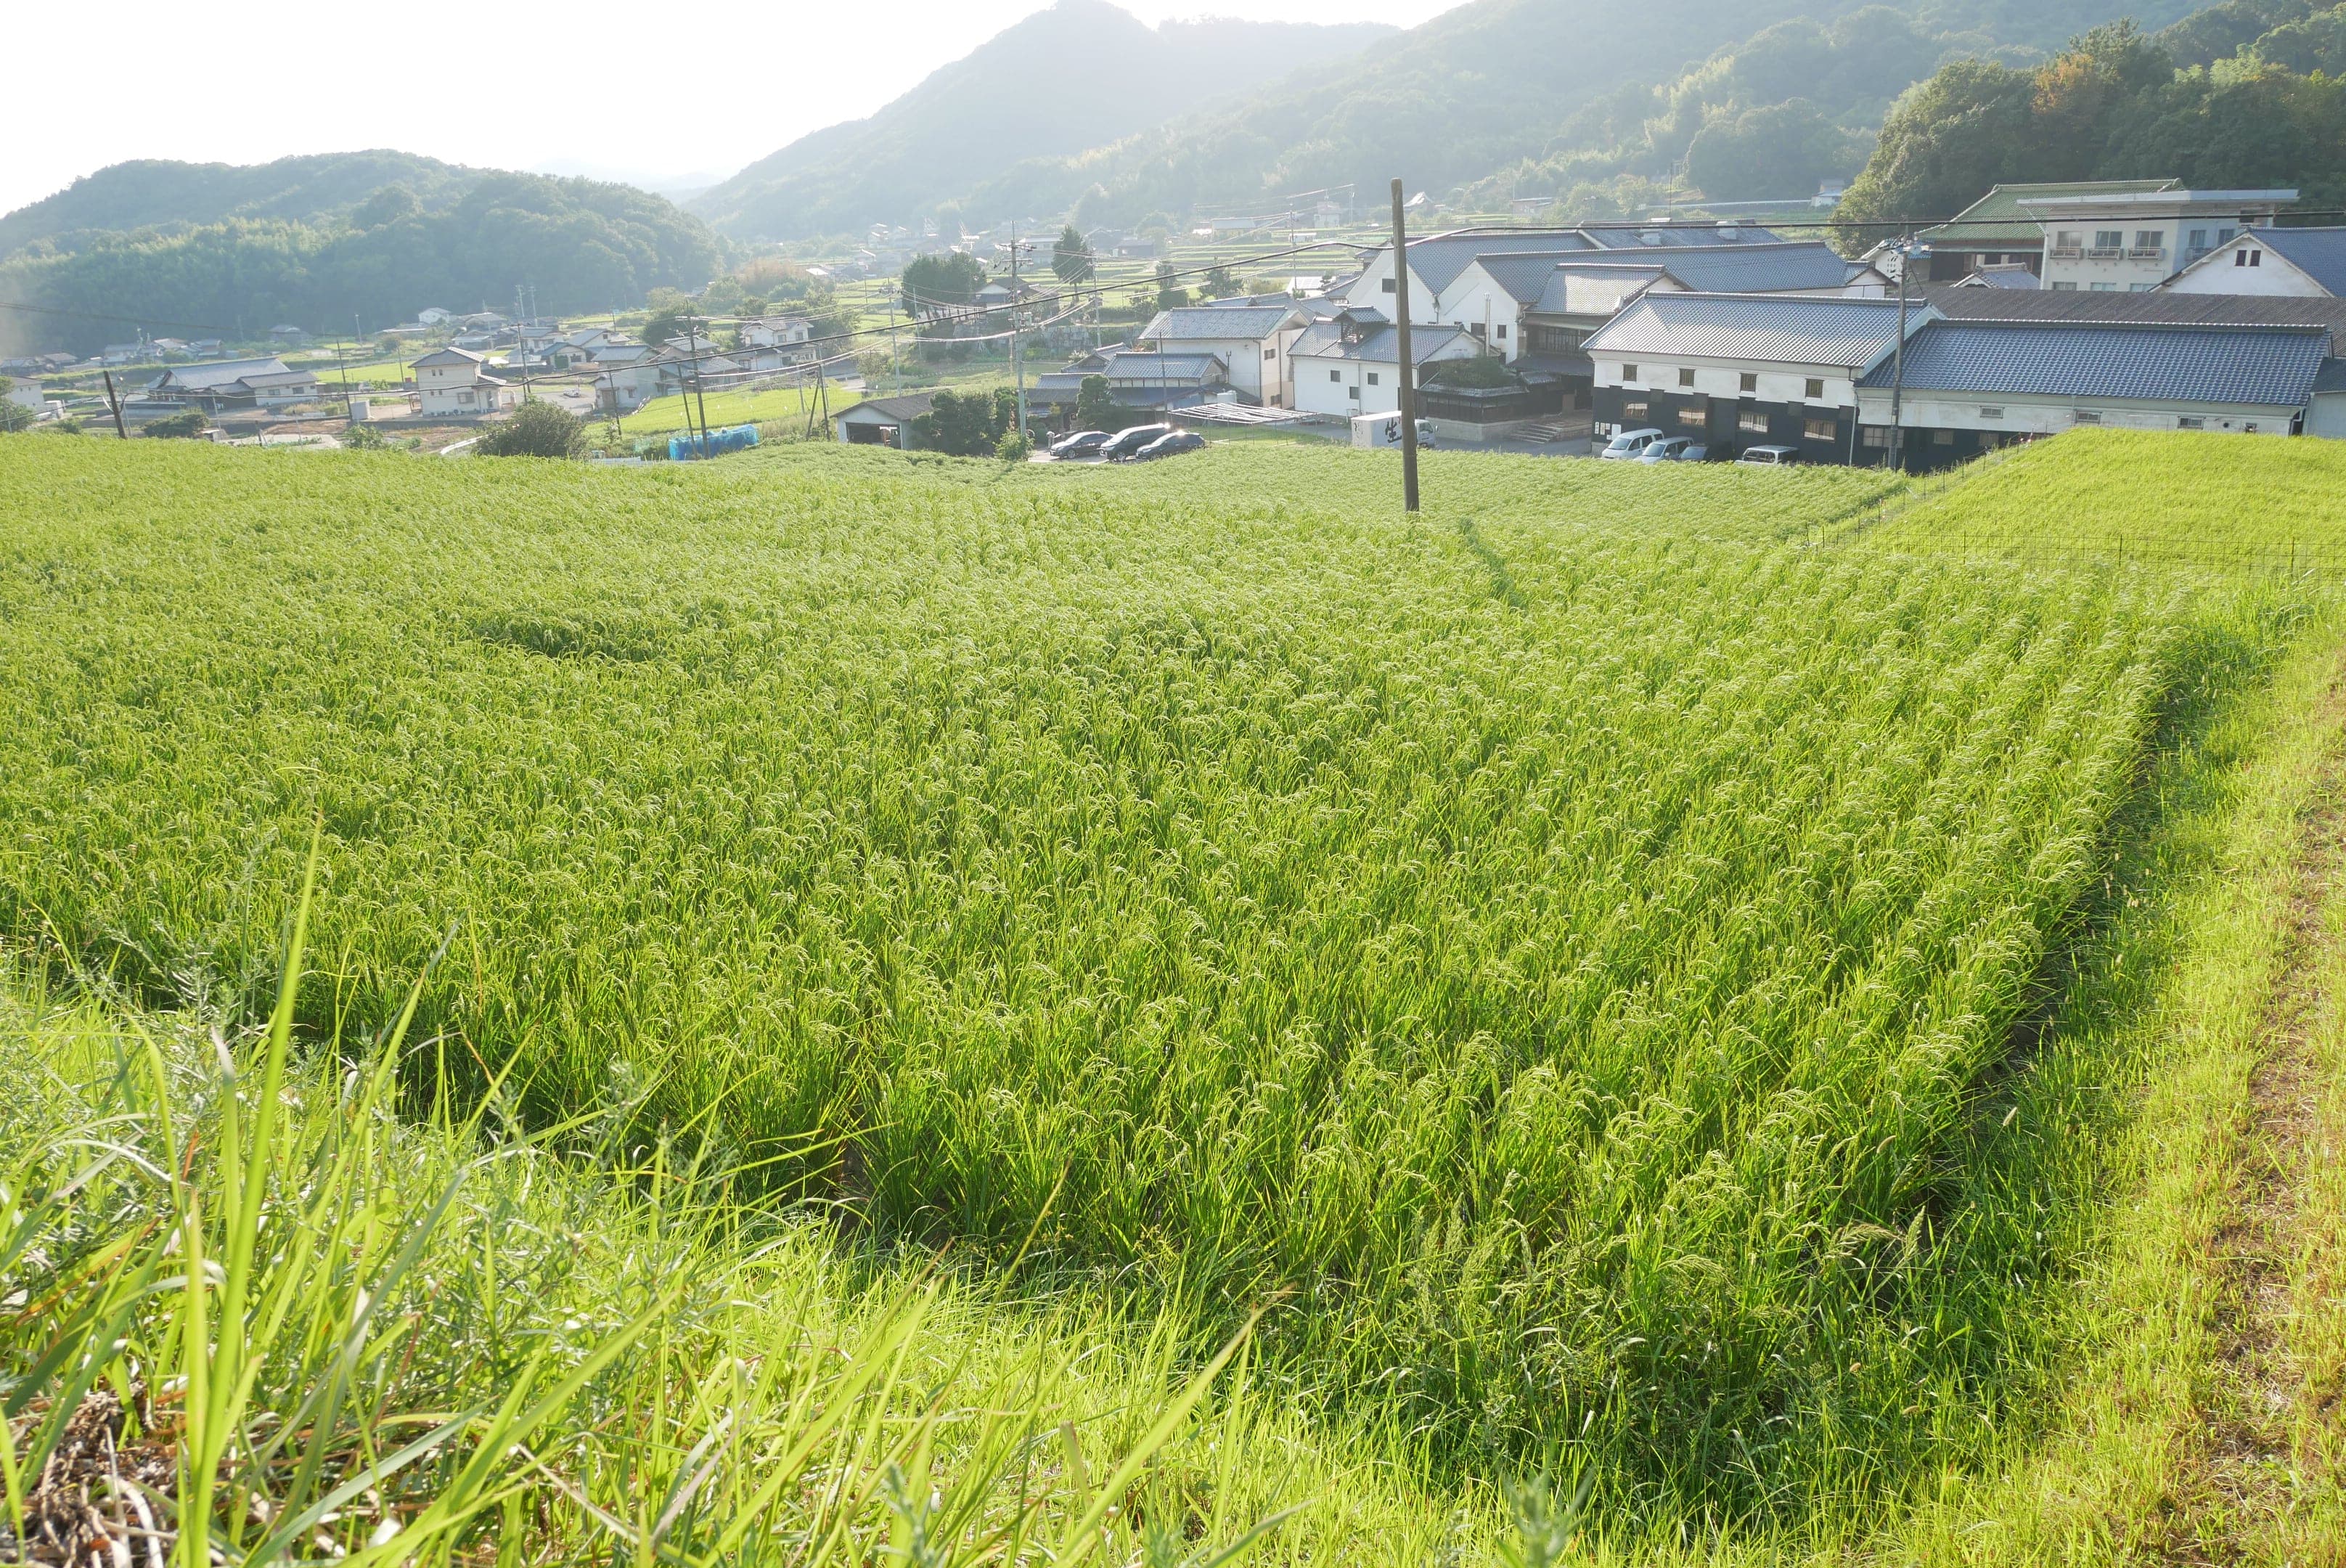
{"x": 1998, "y": 230}
{"x": 2132, "y": 241}
{"x": 453, "y": 383}
{"x": 222, "y": 385}
{"x": 1252, "y": 340}
{"x": 1969, "y": 386}
{"x": 285, "y": 335}
{"x": 775, "y": 331}
{"x": 1744, "y": 370}
{"x": 1149, "y": 380}
{"x": 2308, "y": 263}
{"x": 1350, "y": 363}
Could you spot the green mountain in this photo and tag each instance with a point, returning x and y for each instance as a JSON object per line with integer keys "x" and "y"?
{"x": 1082, "y": 74}
{"x": 155, "y": 193}
{"x": 1517, "y": 85}
{"x": 581, "y": 244}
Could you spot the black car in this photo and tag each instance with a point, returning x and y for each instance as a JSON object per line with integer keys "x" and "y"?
{"x": 1083, "y": 444}
{"x": 1172, "y": 445}
{"x": 1129, "y": 442}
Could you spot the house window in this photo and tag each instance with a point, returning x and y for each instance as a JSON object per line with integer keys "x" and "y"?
{"x": 2105, "y": 289}
{"x": 1628, "y": 373}
{"x": 2248, "y": 258}
{"x": 1750, "y": 381}
{"x": 1389, "y": 286}
{"x": 1503, "y": 332}
{"x": 1694, "y": 414}
{"x": 2109, "y": 238}
{"x": 1372, "y": 378}
{"x": 2199, "y": 240}
{"x": 2065, "y": 241}
{"x": 1271, "y": 353}
{"x": 2086, "y": 416}
{"x": 1752, "y": 420}
{"x": 2065, "y": 287}
{"x": 1818, "y": 429}
{"x": 1990, "y": 413}
{"x": 1813, "y": 388}
{"x": 2190, "y": 421}
{"x": 1634, "y": 413}
{"x": 1943, "y": 438}
{"x": 1336, "y": 376}
{"x": 1353, "y": 393}
{"x": 1686, "y": 378}
{"x": 2149, "y": 239}
{"x": 1876, "y": 437}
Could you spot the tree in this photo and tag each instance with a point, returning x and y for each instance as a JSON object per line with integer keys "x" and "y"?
{"x": 179, "y": 426}
{"x": 1221, "y": 283}
{"x": 1095, "y": 408}
{"x": 1170, "y": 295}
{"x": 1782, "y": 150}
{"x": 967, "y": 425}
{"x": 1970, "y": 126}
{"x": 949, "y": 278}
{"x": 1071, "y": 257}
{"x": 13, "y": 416}
{"x": 538, "y": 429}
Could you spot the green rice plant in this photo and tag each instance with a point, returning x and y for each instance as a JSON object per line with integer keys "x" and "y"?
{"x": 250, "y": 1315}
{"x": 2220, "y": 503}
{"x": 1545, "y": 956}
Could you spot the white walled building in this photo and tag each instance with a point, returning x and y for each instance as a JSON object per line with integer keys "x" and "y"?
{"x": 2134, "y": 241}
{"x": 1255, "y": 342}
{"x": 1351, "y": 365}
{"x": 2305, "y": 263}
{"x": 453, "y": 383}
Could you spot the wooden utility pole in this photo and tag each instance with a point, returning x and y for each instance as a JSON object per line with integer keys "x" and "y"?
{"x": 1408, "y": 385}
{"x": 115, "y": 403}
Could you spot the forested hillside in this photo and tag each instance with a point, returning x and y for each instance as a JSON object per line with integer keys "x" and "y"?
{"x": 1078, "y": 75}
{"x": 1499, "y": 84}
{"x": 156, "y": 192}
{"x": 2115, "y": 106}
{"x": 583, "y": 244}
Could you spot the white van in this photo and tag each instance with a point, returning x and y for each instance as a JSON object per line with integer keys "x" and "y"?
{"x": 1630, "y": 443}
{"x": 1770, "y": 456}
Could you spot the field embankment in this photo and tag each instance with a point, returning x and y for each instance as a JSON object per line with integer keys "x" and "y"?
{"x": 1619, "y": 988}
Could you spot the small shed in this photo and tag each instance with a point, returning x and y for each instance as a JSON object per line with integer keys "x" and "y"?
{"x": 885, "y": 421}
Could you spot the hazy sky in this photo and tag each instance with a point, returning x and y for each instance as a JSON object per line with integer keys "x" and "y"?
{"x": 650, "y": 93}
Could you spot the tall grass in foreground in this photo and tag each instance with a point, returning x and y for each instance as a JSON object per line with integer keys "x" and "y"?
{"x": 248, "y": 1314}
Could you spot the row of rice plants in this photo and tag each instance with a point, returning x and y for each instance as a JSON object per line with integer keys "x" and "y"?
{"x": 1547, "y": 962}
{"x": 2221, "y": 504}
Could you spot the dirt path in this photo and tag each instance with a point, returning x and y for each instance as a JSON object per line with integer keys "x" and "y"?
{"x": 2263, "y": 1479}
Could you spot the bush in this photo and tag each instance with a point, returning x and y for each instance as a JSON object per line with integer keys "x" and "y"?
{"x": 181, "y": 426}
{"x": 1014, "y": 446}
{"x": 15, "y": 416}
{"x": 536, "y": 430}
{"x": 1482, "y": 371}
{"x": 363, "y": 438}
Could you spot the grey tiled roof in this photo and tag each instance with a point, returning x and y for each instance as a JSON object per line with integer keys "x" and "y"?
{"x": 1632, "y": 236}
{"x": 2262, "y": 365}
{"x": 2154, "y": 305}
{"x": 1524, "y": 277}
{"x": 1594, "y": 289}
{"x": 1217, "y": 322}
{"x": 218, "y": 373}
{"x": 2319, "y": 253}
{"x": 1324, "y": 340}
{"x": 2331, "y": 377}
{"x": 1760, "y": 268}
{"x": 1783, "y": 328}
{"x": 1438, "y": 262}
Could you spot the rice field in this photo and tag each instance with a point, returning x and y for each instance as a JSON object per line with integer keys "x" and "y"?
{"x": 2097, "y": 497}
{"x": 1580, "y": 972}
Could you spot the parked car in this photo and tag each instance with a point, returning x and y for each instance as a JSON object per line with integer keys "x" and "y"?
{"x": 1172, "y": 445}
{"x": 1083, "y": 444}
{"x": 1769, "y": 456}
{"x": 1670, "y": 448}
{"x": 1701, "y": 452}
{"x": 1125, "y": 442}
{"x": 1630, "y": 443}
